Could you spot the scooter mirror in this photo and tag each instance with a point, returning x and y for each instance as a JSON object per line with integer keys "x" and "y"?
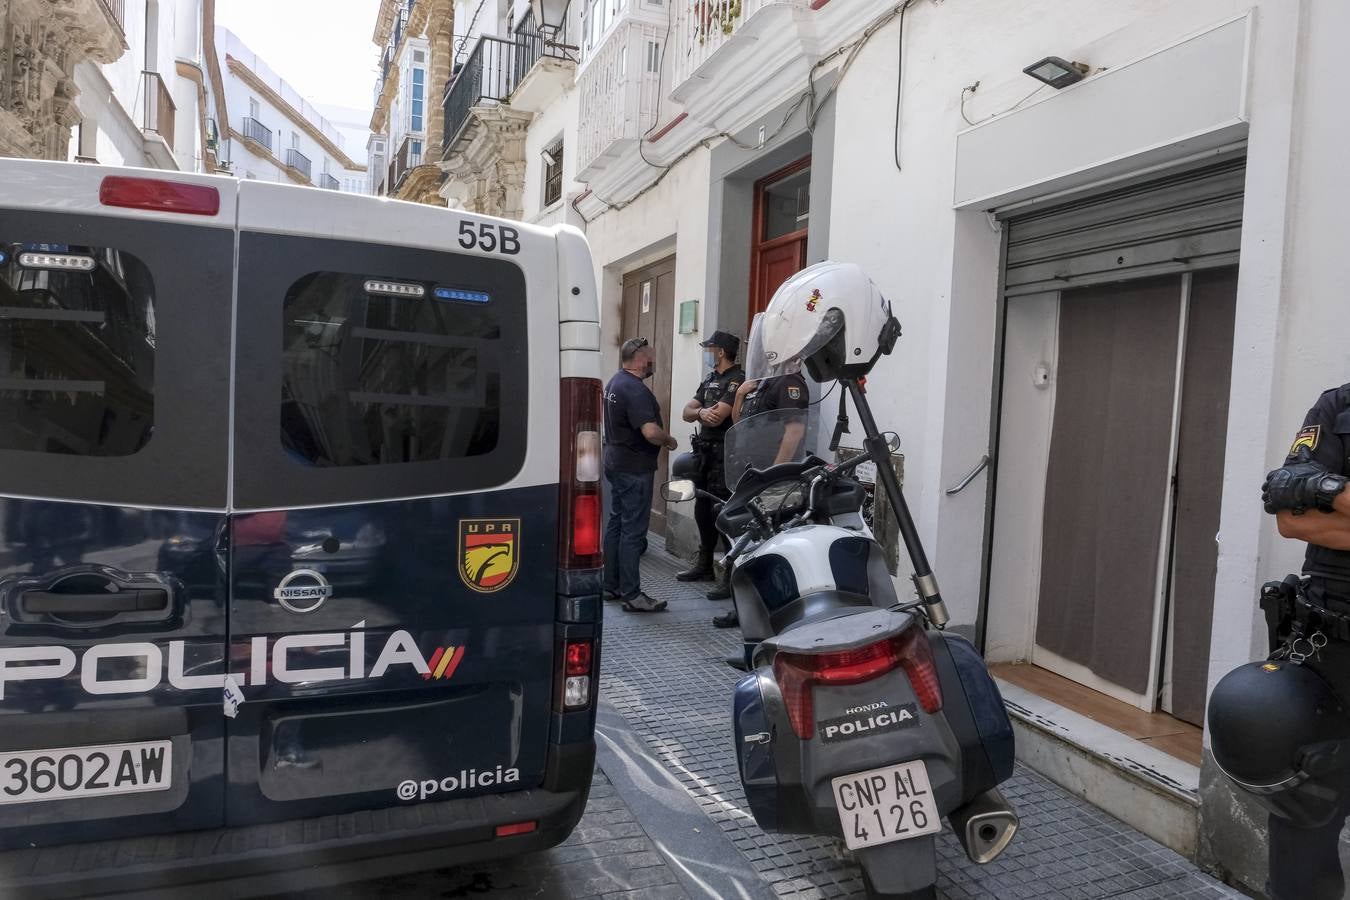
{"x": 678, "y": 491}
{"x": 892, "y": 441}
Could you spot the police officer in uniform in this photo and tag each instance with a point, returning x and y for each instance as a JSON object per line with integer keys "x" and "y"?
{"x": 1312, "y": 620}
{"x": 711, "y": 409}
{"x": 766, "y": 395}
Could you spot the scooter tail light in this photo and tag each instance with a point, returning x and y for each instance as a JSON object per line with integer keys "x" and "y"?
{"x": 916, "y": 657}
{"x": 797, "y": 674}
{"x": 795, "y": 683}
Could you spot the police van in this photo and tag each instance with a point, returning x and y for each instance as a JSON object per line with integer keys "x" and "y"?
{"x": 299, "y": 534}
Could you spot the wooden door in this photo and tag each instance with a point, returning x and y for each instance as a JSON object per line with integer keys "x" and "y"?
{"x": 780, "y": 228}
{"x": 649, "y": 311}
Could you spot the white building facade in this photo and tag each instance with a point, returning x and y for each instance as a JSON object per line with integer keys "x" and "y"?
{"x": 275, "y": 134}
{"x": 1119, "y": 298}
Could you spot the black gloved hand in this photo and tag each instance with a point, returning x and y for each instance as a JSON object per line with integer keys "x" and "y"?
{"x": 1299, "y": 487}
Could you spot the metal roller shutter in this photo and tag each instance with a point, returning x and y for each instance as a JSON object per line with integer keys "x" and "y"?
{"x": 1186, "y": 221}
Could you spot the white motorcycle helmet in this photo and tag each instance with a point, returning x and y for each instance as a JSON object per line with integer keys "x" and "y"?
{"x": 829, "y": 317}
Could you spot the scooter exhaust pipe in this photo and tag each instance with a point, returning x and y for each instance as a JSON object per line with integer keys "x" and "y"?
{"x": 985, "y": 826}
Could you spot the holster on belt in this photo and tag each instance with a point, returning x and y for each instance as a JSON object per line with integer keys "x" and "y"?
{"x": 1279, "y": 601}
{"x": 1312, "y": 613}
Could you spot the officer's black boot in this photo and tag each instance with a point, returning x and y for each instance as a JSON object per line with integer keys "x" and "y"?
{"x": 723, "y": 589}
{"x": 702, "y": 570}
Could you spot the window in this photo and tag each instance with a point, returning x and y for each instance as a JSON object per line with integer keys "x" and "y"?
{"x": 77, "y": 350}
{"x": 419, "y": 56}
{"x": 418, "y": 96}
{"x": 375, "y": 377}
{"x": 553, "y": 174}
{"x": 253, "y": 108}
{"x": 295, "y": 140}
{"x": 654, "y": 56}
{"x": 415, "y": 153}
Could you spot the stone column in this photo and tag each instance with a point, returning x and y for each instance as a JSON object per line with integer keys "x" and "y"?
{"x": 41, "y": 43}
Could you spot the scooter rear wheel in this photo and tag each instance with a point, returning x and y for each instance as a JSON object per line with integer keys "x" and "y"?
{"x": 928, "y": 893}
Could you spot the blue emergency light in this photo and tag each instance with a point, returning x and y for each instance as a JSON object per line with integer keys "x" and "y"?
{"x": 444, "y": 293}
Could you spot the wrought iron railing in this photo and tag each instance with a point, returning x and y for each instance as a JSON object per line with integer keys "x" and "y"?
{"x": 535, "y": 46}
{"x": 257, "y": 132}
{"x": 158, "y": 106}
{"x": 117, "y": 11}
{"x": 299, "y": 162}
{"x": 490, "y": 73}
{"x": 328, "y": 182}
{"x": 404, "y": 162}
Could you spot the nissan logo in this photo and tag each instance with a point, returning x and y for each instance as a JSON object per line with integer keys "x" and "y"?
{"x": 303, "y": 591}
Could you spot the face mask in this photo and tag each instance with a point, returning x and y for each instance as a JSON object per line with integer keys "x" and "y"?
{"x": 709, "y": 359}
{"x": 650, "y": 368}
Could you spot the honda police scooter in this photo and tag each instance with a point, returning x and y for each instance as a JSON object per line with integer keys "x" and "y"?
{"x": 861, "y": 717}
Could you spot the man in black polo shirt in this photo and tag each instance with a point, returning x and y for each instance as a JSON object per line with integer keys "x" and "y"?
{"x": 634, "y": 437}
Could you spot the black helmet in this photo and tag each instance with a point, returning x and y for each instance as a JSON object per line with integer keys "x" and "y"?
{"x": 686, "y": 465}
{"x": 1279, "y": 731}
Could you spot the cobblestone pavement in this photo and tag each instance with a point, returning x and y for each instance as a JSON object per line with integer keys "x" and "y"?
{"x": 665, "y": 674}
{"x": 608, "y": 857}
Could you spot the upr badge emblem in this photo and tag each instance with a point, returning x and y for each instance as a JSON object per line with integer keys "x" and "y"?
{"x": 1308, "y": 437}
{"x": 489, "y": 555}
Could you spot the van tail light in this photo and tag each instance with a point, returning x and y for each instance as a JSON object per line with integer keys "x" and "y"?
{"x": 579, "y": 542}
{"x": 516, "y": 828}
{"x": 797, "y": 673}
{"x": 578, "y": 670}
{"x": 159, "y": 195}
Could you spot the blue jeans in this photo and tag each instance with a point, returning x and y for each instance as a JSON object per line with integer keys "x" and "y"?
{"x": 630, "y": 499}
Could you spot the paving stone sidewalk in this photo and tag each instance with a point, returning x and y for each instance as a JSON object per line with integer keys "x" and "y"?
{"x": 608, "y": 857}
{"x": 665, "y": 674}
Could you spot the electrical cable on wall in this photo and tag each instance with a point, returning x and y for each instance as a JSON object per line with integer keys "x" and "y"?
{"x": 808, "y": 97}
{"x": 969, "y": 91}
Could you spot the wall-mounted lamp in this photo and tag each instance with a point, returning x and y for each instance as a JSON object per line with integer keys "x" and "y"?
{"x": 550, "y": 17}
{"x": 548, "y": 158}
{"x": 1057, "y": 71}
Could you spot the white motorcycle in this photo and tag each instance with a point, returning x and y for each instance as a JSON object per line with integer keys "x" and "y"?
{"x": 861, "y": 718}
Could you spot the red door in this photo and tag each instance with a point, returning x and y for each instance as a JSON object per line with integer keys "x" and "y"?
{"x": 778, "y": 247}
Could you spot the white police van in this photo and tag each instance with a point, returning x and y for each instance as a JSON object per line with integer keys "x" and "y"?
{"x": 299, "y": 534}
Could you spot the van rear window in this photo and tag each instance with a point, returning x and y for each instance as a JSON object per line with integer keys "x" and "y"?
{"x": 77, "y": 350}
{"x": 378, "y": 370}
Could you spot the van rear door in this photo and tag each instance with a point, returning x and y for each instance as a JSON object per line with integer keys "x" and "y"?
{"x": 393, "y": 552}
{"x": 114, "y": 365}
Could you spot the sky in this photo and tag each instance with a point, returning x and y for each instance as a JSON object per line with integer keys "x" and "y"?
{"x": 321, "y": 47}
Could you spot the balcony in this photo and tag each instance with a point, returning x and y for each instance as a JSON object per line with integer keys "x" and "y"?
{"x": 543, "y": 70}
{"x": 620, "y": 94}
{"x": 732, "y": 59}
{"x": 258, "y": 133}
{"x": 489, "y": 75}
{"x": 328, "y": 182}
{"x": 158, "y": 107}
{"x": 117, "y": 11}
{"x": 404, "y": 162}
{"x": 298, "y": 163}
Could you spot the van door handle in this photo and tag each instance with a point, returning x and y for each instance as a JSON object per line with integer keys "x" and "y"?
{"x": 965, "y": 482}
{"x": 108, "y": 602}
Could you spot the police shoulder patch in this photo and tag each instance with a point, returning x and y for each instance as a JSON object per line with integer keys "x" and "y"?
{"x": 1308, "y": 437}
{"x": 794, "y": 393}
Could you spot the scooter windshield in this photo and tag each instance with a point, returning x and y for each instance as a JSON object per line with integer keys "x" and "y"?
{"x": 766, "y": 439}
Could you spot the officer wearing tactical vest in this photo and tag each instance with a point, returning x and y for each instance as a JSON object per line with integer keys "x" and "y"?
{"x": 1310, "y": 629}
{"x": 762, "y": 396}
{"x": 711, "y": 409}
